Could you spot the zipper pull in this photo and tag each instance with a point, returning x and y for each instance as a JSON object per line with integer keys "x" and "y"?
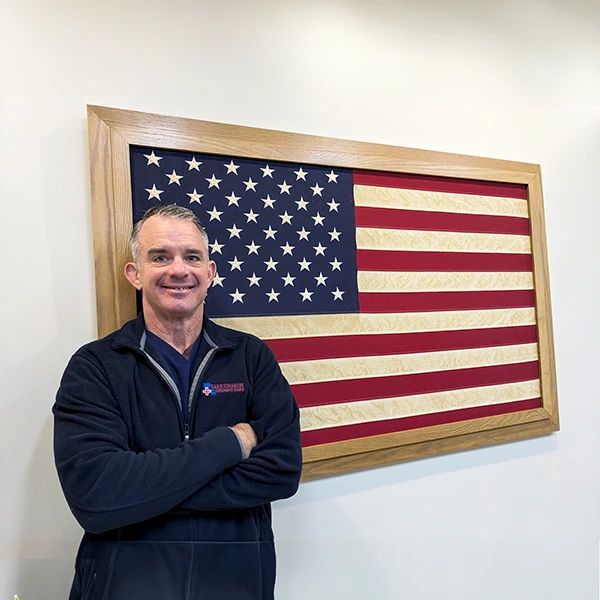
{"x": 186, "y": 435}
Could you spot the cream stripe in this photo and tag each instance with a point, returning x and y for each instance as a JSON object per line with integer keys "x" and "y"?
{"x": 378, "y": 197}
{"x": 367, "y": 411}
{"x": 440, "y": 241}
{"x": 376, "y": 281}
{"x": 354, "y": 324}
{"x": 335, "y": 369}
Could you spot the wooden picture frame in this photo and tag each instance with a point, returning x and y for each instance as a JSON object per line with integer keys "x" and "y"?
{"x": 112, "y": 133}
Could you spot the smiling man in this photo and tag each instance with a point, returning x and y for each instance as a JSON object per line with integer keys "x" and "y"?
{"x": 170, "y": 476}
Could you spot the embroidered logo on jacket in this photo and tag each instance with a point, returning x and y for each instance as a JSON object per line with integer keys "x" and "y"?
{"x": 212, "y": 389}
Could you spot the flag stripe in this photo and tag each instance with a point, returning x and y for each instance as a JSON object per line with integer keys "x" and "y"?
{"x": 385, "y": 302}
{"x": 399, "y": 260}
{"x": 275, "y": 328}
{"x": 440, "y": 184}
{"x": 351, "y": 390}
{"x": 376, "y": 281}
{"x": 434, "y": 201}
{"x": 362, "y": 430}
{"x": 440, "y": 241}
{"x": 343, "y": 346}
{"x": 386, "y": 218}
{"x": 313, "y": 371}
{"x": 363, "y": 411}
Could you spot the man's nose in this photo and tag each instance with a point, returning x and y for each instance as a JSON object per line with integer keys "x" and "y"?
{"x": 178, "y": 267}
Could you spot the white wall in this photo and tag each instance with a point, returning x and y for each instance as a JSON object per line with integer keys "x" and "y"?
{"x": 517, "y": 80}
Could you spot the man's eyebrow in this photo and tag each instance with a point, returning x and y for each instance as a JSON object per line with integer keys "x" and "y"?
{"x": 153, "y": 251}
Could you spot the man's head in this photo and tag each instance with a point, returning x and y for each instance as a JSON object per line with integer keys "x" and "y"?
{"x": 171, "y": 264}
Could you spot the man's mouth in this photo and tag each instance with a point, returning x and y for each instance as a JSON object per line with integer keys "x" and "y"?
{"x": 178, "y": 288}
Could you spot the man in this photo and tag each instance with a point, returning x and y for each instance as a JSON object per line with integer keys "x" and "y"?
{"x": 172, "y": 436}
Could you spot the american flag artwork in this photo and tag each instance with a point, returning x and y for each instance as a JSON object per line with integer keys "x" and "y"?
{"x": 392, "y": 302}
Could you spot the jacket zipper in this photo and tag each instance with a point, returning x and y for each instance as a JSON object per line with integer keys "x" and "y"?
{"x": 202, "y": 368}
{"x": 170, "y": 384}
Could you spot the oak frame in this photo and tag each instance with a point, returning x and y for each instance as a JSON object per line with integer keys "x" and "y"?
{"x": 113, "y": 131}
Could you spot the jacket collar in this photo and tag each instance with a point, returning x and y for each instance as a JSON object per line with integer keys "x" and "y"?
{"x": 131, "y": 335}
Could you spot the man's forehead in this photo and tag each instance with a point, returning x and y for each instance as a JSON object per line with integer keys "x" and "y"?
{"x": 165, "y": 227}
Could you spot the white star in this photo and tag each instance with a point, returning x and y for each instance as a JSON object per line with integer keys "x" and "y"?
{"x": 216, "y": 247}
{"x": 285, "y": 188}
{"x": 285, "y": 218}
{"x": 252, "y": 248}
{"x": 304, "y": 264}
{"x": 317, "y": 190}
{"x": 335, "y": 235}
{"x": 303, "y": 234}
{"x": 332, "y": 177}
{"x": 234, "y": 232}
{"x": 213, "y": 182}
{"x": 153, "y": 159}
{"x": 336, "y": 264}
{"x": 215, "y": 214}
{"x": 301, "y": 174}
{"x": 287, "y": 249}
{"x": 321, "y": 279}
{"x": 273, "y": 295}
{"x": 193, "y": 164}
{"x": 320, "y": 249}
{"x": 233, "y": 199}
{"x": 337, "y": 295}
{"x": 302, "y": 203}
{"x": 250, "y": 185}
{"x": 288, "y": 280}
{"x": 218, "y": 280}
{"x": 271, "y": 264}
{"x": 174, "y": 178}
{"x": 232, "y": 168}
{"x": 237, "y": 296}
{"x": 318, "y": 219}
{"x": 306, "y": 295}
{"x": 195, "y": 196}
{"x": 254, "y": 280}
{"x": 154, "y": 193}
{"x": 269, "y": 233}
{"x": 333, "y": 205}
{"x": 268, "y": 201}
{"x": 236, "y": 264}
{"x": 251, "y": 216}
{"x": 267, "y": 171}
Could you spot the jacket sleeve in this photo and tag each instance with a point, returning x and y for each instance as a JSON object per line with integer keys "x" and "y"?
{"x": 106, "y": 483}
{"x": 272, "y": 471}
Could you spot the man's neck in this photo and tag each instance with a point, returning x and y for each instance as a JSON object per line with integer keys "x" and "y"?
{"x": 181, "y": 334}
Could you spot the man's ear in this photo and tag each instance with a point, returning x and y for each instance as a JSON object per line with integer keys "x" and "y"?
{"x": 133, "y": 275}
{"x": 212, "y": 271}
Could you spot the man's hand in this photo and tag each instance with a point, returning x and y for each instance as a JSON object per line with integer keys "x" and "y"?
{"x": 247, "y": 437}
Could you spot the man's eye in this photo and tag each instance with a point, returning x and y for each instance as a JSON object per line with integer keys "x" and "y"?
{"x": 160, "y": 258}
{"x": 193, "y": 258}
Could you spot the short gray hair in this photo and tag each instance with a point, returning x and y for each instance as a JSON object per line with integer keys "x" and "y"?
{"x": 166, "y": 211}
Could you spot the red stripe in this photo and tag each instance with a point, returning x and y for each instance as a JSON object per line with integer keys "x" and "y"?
{"x": 386, "y": 218}
{"x": 345, "y": 346}
{"x": 403, "y": 260}
{"x": 382, "y": 302}
{"x": 431, "y": 183}
{"x": 353, "y": 390}
{"x": 362, "y": 430}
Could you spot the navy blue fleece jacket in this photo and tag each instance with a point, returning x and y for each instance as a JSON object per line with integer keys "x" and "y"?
{"x": 167, "y": 517}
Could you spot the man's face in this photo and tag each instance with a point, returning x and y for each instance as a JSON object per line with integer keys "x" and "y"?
{"x": 174, "y": 272}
